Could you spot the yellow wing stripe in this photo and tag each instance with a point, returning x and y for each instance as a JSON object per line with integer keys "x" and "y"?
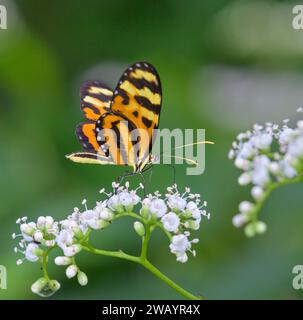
{"x": 154, "y": 98}
{"x": 139, "y": 74}
{"x": 98, "y": 90}
{"x": 94, "y": 101}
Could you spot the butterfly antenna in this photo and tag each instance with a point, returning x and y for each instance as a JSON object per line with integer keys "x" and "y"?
{"x": 195, "y": 143}
{"x": 182, "y": 158}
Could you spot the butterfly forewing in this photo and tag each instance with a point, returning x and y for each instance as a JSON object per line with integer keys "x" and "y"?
{"x": 138, "y": 98}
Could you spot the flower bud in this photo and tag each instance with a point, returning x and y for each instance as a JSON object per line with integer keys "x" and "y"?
{"x": 49, "y": 221}
{"x": 239, "y": 220}
{"x": 41, "y": 222}
{"x": 63, "y": 261}
{"x": 82, "y": 278}
{"x": 145, "y": 212}
{"x": 257, "y": 192}
{"x": 38, "y": 285}
{"x": 106, "y": 214}
{"x": 77, "y": 231}
{"x": 139, "y": 228}
{"x": 102, "y": 224}
{"x": 260, "y": 227}
{"x": 71, "y": 271}
{"x": 72, "y": 250}
{"x": 250, "y": 230}
{"x": 38, "y": 236}
{"x": 186, "y": 214}
{"x": 27, "y": 229}
{"x": 246, "y": 206}
{"x": 193, "y": 224}
{"x": 129, "y": 208}
{"x": 244, "y": 179}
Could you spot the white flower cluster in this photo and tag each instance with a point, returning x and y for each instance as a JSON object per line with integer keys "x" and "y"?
{"x": 267, "y": 155}
{"x": 178, "y": 213}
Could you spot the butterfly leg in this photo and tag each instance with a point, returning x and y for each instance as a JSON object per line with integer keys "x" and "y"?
{"x": 125, "y": 174}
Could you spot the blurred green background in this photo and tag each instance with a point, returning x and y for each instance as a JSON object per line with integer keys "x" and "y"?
{"x": 224, "y": 65}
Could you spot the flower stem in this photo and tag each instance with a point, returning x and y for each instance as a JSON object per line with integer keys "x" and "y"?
{"x": 117, "y": 254}
{"x": 145, "y": 240}
{"x": 168, "y": 281}
{"x": 267, "y": 193}
{"x": 145, "y": 263}
{"x": 44, "y": 263}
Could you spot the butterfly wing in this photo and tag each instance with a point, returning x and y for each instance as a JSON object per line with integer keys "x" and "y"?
{"x": 138, "y": 98}
{"x": 135, "y": 104}
{"x": 88, "y": 157}
{"x": 95, "y": 97}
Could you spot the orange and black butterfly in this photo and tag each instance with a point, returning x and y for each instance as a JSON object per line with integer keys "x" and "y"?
{"x": 134, "y": 105}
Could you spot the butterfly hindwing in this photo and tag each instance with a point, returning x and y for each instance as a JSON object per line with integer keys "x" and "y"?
{"x": 95, "y": 97}
{"x": 115, "y": 133}
{"x": 85, "y": 132}
{"x": 88, "y": 157}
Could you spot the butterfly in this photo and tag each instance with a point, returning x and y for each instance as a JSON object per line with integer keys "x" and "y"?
{"x": 112, "y": 117}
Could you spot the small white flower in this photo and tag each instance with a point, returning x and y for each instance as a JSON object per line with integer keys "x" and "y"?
{"x": 260, "y": 174}
{"x": 65, "y": 238}
{"x": 262, "y": 141}
{"x": 179, "y": 245}
{"x": 176, "y": 202}
{"x": 31, "y": 252}
{"x": 72, "y": 250}
{"x": 38, "y": 236}
{"x": 171, "y": 222}
{"x": 125, "y": 198}
{"x": 135, "y": 198}
{"x": 285, "y": 136}
{"x": 90, "y": 218}
{"x": 158, "y": 207}
{"x": 114, "y": 203}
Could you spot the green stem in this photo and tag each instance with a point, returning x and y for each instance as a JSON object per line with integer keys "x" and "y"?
{"x": 44, "y": 263}
{"x": 254, "y": 213}
{"x": 145, "y": 263}
{"x": 116, "y": 254}
{"x": 145, "y": 241}
{"x": 168, "y": 281}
